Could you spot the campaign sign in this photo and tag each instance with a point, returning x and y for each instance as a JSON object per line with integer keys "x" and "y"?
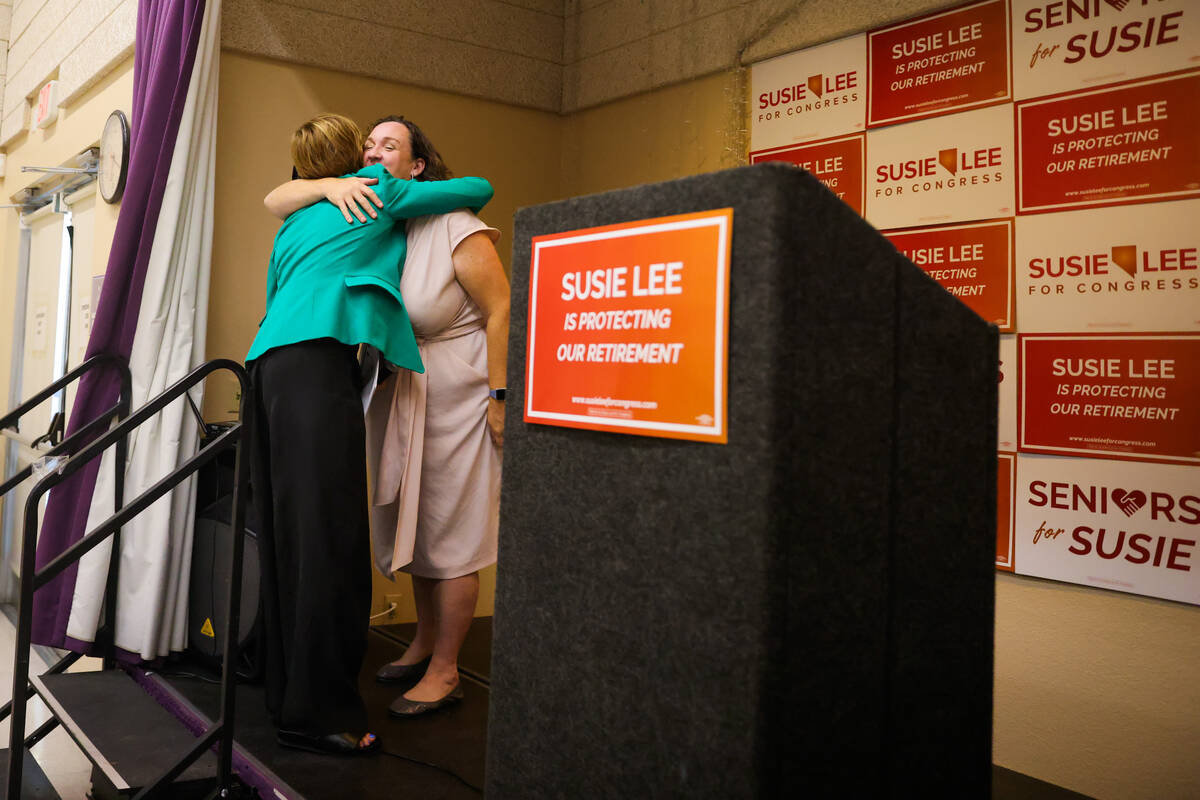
{"x": 1110, "y": 269}
{"x": 837, "y": 163}
{"x": 1121, "y": 144}
{"x": 1111, "y": 396}
{"x": 939, "y": 64}
{"x": 948, "y": 169}
{"x": 814, "y": 93}
{"x": 971, "y": 262}
{"x": 1006, "y": 481}
{"x": 1115, "y": 525}
{"x": 628, "y": 327}
{"x": 1006, "y": 428}
{"x": 1063, "y": 46}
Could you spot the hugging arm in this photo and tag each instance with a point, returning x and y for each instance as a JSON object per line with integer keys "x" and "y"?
{"x": 353, "y": 196}
{"x": 400, "y": 199}
{"x": 404, "y": 199}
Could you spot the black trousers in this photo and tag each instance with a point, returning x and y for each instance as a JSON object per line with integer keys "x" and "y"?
{"x": 310, "y": 486}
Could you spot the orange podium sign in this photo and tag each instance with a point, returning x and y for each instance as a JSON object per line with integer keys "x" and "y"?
{"x": 629, "y": 326}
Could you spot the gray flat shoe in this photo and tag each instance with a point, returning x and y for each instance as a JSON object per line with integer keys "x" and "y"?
{"x": 403, "y": 707}
{"x": 403, "y": 673}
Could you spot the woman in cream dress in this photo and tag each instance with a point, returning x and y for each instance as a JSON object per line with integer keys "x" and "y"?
{"x": 435, "y": 458}
{"x": 433, "y": 439}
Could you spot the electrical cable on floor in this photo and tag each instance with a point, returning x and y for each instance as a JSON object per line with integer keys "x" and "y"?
{"x": 439, "y": 768}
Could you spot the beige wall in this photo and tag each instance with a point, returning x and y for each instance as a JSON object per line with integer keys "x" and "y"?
{"x": 683, "y": 129}
{"x": 506, "y": 50}
{"x": 553, "y": 55}
{"x": 1096, "y": 691}
{"x": 261, "y": 102}
{"x": 5, "y": 36}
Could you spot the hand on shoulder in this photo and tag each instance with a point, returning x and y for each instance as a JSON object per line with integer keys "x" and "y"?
{"x": 353, "y": 195}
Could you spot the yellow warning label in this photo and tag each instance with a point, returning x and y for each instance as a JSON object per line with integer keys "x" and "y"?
{"x": 207, "y": 630}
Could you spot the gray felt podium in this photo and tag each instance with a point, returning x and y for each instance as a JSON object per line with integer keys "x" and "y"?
{"x": 805, "y": 611}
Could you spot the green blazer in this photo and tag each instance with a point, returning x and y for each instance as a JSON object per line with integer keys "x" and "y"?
{"x": 331, "y": 279}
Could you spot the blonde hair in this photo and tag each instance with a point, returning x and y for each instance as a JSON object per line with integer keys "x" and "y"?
{"x": 326, "y": 146}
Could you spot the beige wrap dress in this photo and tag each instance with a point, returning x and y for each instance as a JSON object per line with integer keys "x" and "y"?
{"x": 436, "y": 496}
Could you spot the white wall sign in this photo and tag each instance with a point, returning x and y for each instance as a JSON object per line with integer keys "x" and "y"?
{"x": 1061, "y": 46}
{"x": 1126, "y": 526}
{"x": 810, "y": 94}
{"x": 1111, "y": 269}
{"x": 947, "y": 169}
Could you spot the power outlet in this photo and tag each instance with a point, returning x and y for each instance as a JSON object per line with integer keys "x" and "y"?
{"x": 391, "y": 603}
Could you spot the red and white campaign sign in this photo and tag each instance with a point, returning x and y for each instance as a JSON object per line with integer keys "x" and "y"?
{"x": 810, "y": 94}
{"x": 1110, "y": 269}
{"x": 1006, "y": 481}
{"x": 1111, "y": 524}
{"x": 1006, "y": 428}
{"x": 1111, "y": 396}
{"x": 948, "y": 169}
{"x": 837, "y": 163}
{"x": 972, "y": 262}
{"x": 939, "y": 64}
{"x": 1121, "y": 144}
{"x": 1063, "y": 45}
{"x": 628, "y": 327}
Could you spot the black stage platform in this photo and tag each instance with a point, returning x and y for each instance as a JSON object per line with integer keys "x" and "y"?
{"x": 420, "y": 756}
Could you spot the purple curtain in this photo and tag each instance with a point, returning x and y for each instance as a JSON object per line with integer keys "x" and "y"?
{"x": 164, "y": 51}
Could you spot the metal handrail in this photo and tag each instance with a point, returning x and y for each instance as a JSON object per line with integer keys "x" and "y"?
{"x": 10, "y": 419}
{"x": 222, "y": 731}
{"x": 120, "y": 409}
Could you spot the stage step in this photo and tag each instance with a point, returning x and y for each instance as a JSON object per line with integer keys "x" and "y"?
{"x": 126, "y": 734}
{"x": 34, "y": 783}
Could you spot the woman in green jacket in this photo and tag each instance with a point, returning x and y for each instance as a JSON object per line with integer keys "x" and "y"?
{"x": 331, "y": 286}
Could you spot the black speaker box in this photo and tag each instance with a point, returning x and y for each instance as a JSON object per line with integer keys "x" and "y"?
{"x": 804, "y": 611}
{"x": 208, "y": 609}
{"x": 208, "y": 599}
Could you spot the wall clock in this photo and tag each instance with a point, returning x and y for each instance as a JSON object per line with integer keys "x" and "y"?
{"x": 114, "y": 157}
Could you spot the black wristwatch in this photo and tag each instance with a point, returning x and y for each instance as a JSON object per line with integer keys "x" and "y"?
{"x": 496, "y": 394}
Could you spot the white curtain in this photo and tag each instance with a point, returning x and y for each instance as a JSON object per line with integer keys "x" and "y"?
{"x": 156, "y": 547}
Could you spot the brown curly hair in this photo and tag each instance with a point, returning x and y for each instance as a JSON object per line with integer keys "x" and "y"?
{"x": 422, "y": 148}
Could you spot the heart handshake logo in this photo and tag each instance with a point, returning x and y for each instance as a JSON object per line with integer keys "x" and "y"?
{"x": 1129, "y": 502}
